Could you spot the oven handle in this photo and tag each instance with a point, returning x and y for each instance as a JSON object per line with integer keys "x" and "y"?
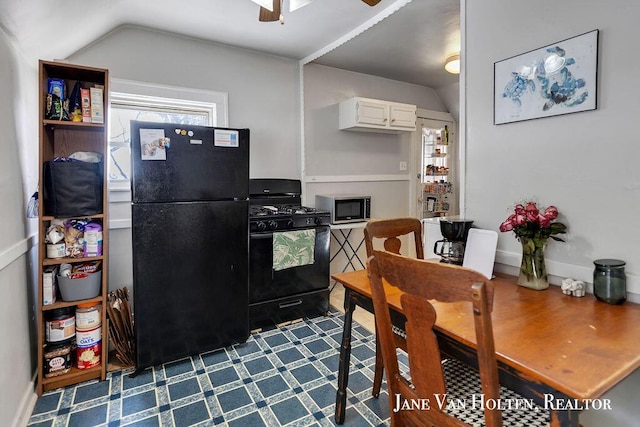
{"x": 290, "y": 304}
{"x": 265, "y": 235}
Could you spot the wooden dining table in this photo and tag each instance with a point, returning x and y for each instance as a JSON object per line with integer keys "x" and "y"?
{"x": 561, "y": 351}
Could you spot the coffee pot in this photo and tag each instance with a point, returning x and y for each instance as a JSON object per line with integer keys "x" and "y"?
{"x": 451, "y": 247}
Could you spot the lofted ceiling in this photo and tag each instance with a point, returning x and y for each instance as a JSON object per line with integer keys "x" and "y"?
{"x": 405, "y": 40}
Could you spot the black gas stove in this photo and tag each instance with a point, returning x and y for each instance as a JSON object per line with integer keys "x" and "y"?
{"x": 285, "y": 217}
{"x": 277, "y": 296}
{"x": 274, "y": 204}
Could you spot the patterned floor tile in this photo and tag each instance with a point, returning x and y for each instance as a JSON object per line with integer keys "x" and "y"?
{"x": 91, "y": 391}
{"x": 272, "y": 386}
{"x": 289, "y": 410}
{"x": 214, "y": 357}
{"x": 251, "y": 420}
{"x": 280, "y": 376}
{"x": 153, "y": 421}
{"x": 256, "y": 366}
{"x": 247, "y": 348}
{"x": 143, "y": 378}
{"x": 178, "y": 367}
{"x": 318, "y": 346}
{"x": 289, "y": 355}
{"x": 234, "y": 399}
{"x": 47, "y": 403}
{"x": 306, "y": 373}
{"x": 277, "y": 340}
{"x": 324, "y": 396}
{"x": 223, "y": 376}
{"x": 88, "y": 417}
{"x": 184, "y": 388}
{"x": 139, "y": 402}
{"x": 191, "y": 414}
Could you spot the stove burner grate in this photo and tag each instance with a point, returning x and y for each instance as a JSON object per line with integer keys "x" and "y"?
{"x": 260, "y": 211}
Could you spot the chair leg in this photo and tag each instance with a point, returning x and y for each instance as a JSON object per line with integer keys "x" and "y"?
{"x": 379, "y": 369}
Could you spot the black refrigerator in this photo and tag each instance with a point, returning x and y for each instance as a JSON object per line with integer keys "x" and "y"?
{"x": 190, "y": 233}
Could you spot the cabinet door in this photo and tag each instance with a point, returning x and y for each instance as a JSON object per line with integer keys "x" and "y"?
{"x": 372, "y": 113}
{"x": 403, "y": 116}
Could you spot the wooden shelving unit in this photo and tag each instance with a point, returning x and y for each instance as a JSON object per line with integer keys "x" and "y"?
{"x": 61, "y": 139}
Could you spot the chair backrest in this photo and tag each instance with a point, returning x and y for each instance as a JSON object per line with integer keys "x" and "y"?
{"x": 421, "y": 281}
{"x": 390, "y": 230}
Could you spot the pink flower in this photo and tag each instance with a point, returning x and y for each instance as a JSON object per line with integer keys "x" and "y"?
{"x": 551, "y": 212}
{"x": 520, "y": 219}
{"x": 506, "y": 226}
{"x": 529, "y": 222}
{"x": 532, "y": 212}
{"x": 544, "y": 220}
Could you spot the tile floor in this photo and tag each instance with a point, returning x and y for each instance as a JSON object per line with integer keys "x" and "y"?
{"x": 284, "y": 376}
{"x": 280, "y": 377}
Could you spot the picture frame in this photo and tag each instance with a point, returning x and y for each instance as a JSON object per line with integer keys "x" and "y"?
{"x": 557, "y": 79}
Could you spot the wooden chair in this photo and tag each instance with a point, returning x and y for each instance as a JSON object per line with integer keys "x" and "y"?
{"x": 389, "y": 230}
{"x": 421, "y": 281}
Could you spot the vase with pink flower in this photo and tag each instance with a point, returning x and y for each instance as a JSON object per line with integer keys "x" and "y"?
{"x": 533, "y": 227}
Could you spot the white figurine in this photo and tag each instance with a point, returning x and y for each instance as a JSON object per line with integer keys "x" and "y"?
{"x": 577, "y": 288}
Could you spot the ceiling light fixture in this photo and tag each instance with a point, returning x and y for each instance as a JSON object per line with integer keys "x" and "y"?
{"x": 452, "y": 64}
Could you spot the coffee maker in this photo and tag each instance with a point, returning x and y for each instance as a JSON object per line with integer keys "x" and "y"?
{"x": 451, "y": 248}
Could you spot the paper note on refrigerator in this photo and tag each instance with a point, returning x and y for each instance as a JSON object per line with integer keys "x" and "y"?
{"x": 225, "y": 138}
{"x": 152, "y": 146}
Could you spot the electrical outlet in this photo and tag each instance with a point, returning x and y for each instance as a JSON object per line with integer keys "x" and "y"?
{"x": 403, "y": 166}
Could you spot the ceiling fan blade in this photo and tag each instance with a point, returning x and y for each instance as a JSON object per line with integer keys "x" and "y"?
{"x": 267, "y": 4}
{"x": 297, "y": 4}
{"x": 268, "y": 16}
{"x": 371, "y": 2}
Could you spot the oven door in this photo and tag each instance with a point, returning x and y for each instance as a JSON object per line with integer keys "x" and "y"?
{"x": 266, "y": 284}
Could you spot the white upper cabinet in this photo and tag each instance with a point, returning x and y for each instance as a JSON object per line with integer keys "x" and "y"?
{"x": 402, "y": 116}
{"x": 369, "y": 112}
{"x": 372, "y": 115}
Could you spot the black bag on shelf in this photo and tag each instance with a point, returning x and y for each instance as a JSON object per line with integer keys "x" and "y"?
{"x": 72, "y": 189}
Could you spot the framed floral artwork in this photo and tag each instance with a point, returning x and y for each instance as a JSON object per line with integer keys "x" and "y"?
{"x": 560, "y": 78}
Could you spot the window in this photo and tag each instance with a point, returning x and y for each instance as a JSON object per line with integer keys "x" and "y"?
{"x": 154, "y": 103}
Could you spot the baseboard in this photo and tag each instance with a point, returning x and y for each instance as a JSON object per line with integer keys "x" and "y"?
{"x": 555, "y": 268}
{"x": 27, "y": 403}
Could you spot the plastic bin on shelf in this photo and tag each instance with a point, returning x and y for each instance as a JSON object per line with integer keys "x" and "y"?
{"x": 82, "y": 288}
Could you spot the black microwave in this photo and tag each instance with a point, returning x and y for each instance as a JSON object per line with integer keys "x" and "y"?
{"x": 345, "y": 208}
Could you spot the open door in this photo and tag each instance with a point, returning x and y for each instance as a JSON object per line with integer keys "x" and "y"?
{"x": 435, "y": 181}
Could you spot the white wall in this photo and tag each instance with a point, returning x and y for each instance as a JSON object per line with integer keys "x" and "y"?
{"x": 450, "y": 96}
{"x": 363, "y": 162}
{"x": 17, "y": 177}
{"x": 330, "y": 151}
{"x": 584, "y": 163}
{"x": 263, "y": 89}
